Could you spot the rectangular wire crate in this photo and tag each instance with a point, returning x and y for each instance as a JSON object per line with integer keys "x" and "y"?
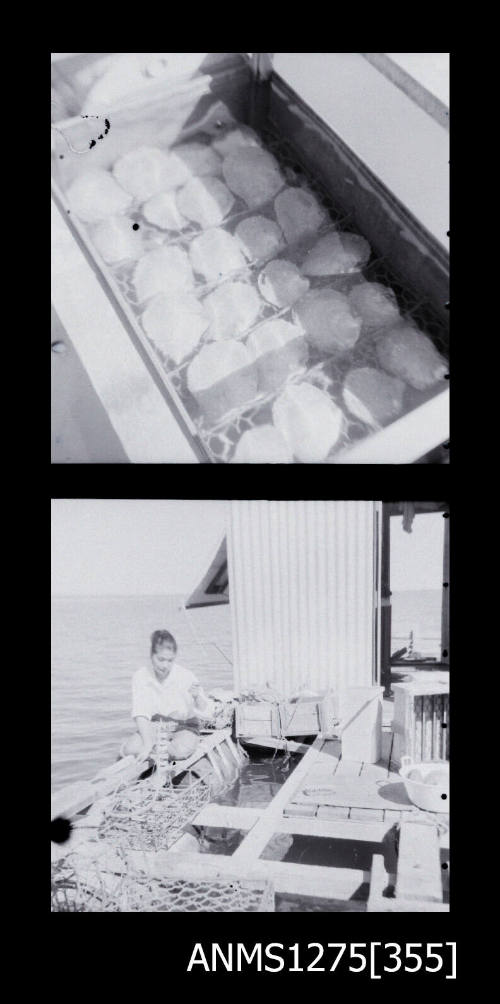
{"x": 149, "y": 816}
{"x": 111, "y": 884}
{"x": 421, "y": 721}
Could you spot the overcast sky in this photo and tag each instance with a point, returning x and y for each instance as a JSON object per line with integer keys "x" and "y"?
{"x": 137, "y": 546}
{"x": 417, "y": 557}
{"x": 133, "y": 546}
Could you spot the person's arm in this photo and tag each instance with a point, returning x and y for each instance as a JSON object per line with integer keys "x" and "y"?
{"x": 204, "y": 706}
{"x": 142, "y": 712}
{"x": 146, "y": 732}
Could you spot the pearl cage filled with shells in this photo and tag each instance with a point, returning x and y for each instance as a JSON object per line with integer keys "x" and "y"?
{"x": 289, "y": 307}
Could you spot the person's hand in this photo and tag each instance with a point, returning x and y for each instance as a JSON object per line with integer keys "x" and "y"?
{"x": 196, "y": 692}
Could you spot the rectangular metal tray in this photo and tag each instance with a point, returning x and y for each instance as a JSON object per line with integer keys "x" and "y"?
{"x": 404, "y": 256}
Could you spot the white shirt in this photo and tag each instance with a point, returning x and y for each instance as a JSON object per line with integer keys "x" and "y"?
{"x": 170, "y": 697}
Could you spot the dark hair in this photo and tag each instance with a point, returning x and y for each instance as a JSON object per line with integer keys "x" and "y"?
{"x": 161, "y": 638}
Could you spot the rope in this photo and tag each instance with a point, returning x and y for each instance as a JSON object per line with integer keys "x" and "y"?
{"x": 191, "y": 628}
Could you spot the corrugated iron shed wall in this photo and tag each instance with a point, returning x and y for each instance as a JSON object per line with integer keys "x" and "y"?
{"x": 302, "y": 580}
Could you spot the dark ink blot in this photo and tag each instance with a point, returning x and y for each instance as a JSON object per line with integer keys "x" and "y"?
{"x": 445, "y": 653}
{"x": 60, "y": 830}
{"x": 100, "y": 137}
{"x": 445, "y": 585}
{"x": 446, "y": 515}
{"x": 446, "y": 376}
{"x": 68, "y": 211}
{"x": 444, "y": 796}
{"x": 135, "y": 226}
{"x": 444, "y": 866}
{"x": 61, "y": 156}
{"x": 444, "y": 725}
{"x": 106, "y": 132}
{"x": 106, "y": 123}
{"x": 91, "y": 144}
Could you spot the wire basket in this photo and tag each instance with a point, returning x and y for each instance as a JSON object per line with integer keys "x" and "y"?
{"x": 178, "y": 895}
{"x": 111, "y": 884}
{"x": 149, "y": 817}
{"x": 95, "y": 884}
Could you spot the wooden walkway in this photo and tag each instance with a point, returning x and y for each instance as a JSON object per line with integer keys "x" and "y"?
{"x": 328, "y": 797}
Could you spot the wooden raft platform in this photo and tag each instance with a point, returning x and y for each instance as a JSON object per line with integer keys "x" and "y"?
{"x": 347, "y": 801}
{"x": 216, "y": 747}
{"x": 326, "y": 796}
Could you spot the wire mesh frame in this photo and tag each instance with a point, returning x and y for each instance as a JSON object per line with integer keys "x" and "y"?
{"x": 97, "y": 884}
{"x": 220, "y": 438}
{"x": 151, "y": 816}
{"x": 195, "y": 895}
{"x": 113, "y": 885}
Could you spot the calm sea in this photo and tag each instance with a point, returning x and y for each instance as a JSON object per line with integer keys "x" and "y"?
{"x": 99, "y": 642}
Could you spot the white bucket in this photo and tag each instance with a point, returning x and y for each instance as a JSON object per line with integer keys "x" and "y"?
{"x": 427, "y": 796}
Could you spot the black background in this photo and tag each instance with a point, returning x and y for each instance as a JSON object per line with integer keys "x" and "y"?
{"x": 150, "y": 956}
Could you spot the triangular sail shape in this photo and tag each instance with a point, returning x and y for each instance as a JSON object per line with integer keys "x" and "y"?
{"x": 214, "y": 586}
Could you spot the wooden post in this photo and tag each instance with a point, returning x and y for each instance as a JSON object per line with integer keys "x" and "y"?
{"x": 385, "y": 591}
{"x": 419, "y": 867}
{"x": 445, "y": 607}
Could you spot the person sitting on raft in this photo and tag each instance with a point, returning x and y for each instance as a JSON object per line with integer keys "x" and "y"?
{"x": 165, "y": 691}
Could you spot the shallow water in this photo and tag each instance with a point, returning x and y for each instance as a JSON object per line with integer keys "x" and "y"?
{"x": 97, "y": 645}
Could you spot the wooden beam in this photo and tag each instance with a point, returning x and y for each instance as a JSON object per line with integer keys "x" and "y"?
{"x": 227, "y": 816}
{"x": 311, "y": 880}
{"x": 371, "y": 815}
{"x": 207, "y": 743}
{"x": 354, "y": 793}
{"x": 407, "y": 439}
{"x": 69, "y": 801}
{"x": 419, "y": 865}
{"x": 308, "y": 880}
{"x": 215, "y": 766}
{"x": 253, "y": 844}
{"x": 445, "y": 602}
{"x": 326, "y": 811}
{"x": 276, "y": 744}
{"x": 391, "y": 905}
{"x": 334, "y": 829}
{"x": 378, "y": 879}
{"x": 385, "y": 601}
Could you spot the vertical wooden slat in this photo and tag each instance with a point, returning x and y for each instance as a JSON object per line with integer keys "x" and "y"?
{"x": 445, "y": 607}
{"x": 446, "y": 731}
{"x": 427, "y": 727}
{"x": 437, "y": 718}
{"x": 419, "y": 867}
{"x": 418, "y": 712}
{"x": 385, "y": 594}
